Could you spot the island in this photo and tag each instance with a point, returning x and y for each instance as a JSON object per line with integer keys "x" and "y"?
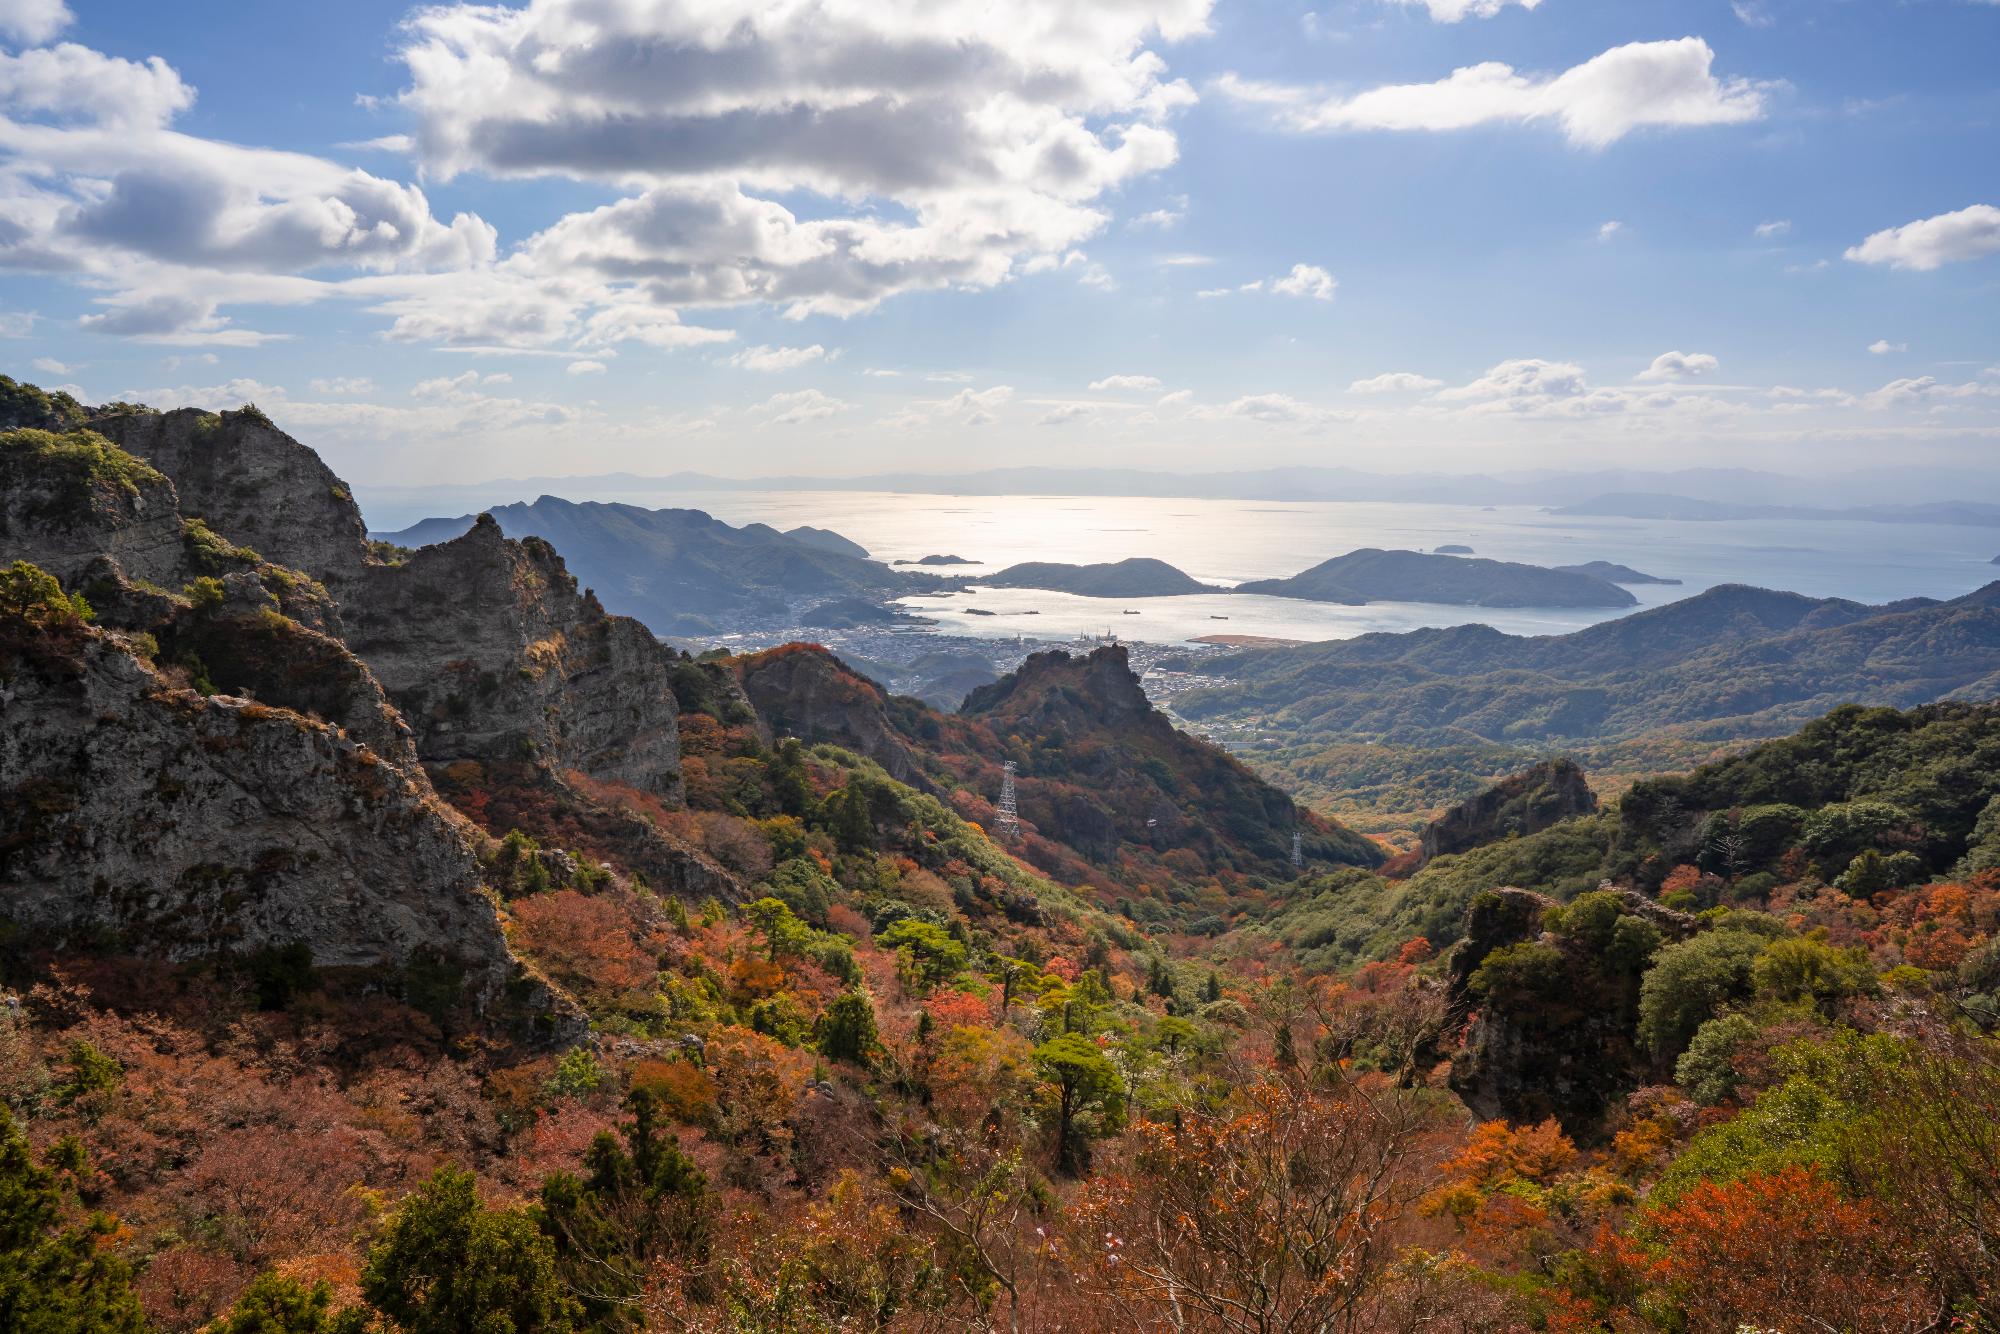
{"x": 1373, "y": 575}
{"x": 1139, "y": 577}
{"x": 937, "y": 560}
{"x": 1453, "y": 549}
{"x": 1616, "y": 574}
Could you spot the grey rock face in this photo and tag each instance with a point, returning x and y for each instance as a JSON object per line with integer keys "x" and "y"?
{"x": 179, "y": 826}
{"x": 491, "y": 652}
{"x": 48, "y": 519}
{"x": 252, "y": 483}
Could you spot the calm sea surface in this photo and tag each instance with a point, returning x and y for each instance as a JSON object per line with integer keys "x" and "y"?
{"x": 1228, "y": 541}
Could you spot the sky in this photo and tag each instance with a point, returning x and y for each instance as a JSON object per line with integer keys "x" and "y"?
{"x": 758, "y": 237}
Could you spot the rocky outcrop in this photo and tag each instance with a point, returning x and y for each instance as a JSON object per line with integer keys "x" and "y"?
{"x": 67, "y": 501}
{"x": 802, "y": 690}
{"x": 491, "y": 652}
{"x": 1552, "y": 1034}
{"x": 1524, "y": 803}
{"x": 1102, "y": 769}
{"x": 142, "y": 817}
{"x": 252, "y": 483}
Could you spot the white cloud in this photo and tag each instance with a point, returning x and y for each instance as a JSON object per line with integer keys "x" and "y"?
{"x": 1967, "y": 234}
{"x": 1753, "y": 13}
{"x": 762, "y": 358}
{"x": 1210, "y": 293}
{"x": 1923, "y": 389}
{"x": 1185, "y": 261}
{"x": 1766, "y": 231}
{"x": 1065, "y": 415}
{"x": 50, "y": 366}
{"x": 1606, "y": 231}
{"x": 344, "y": 385}
{"x": 803, "y": 405}
{"x": 1125, "y": 382}
{"x": 1394, "y": 382}
{"x": 33, "y": 22}
{"x": 1668, "y": 83}
{"x": 967, "y": 407}
{"x": 1882, "y": 347}
{"x": 994, "y": 130}
{"x": 1163, "y": 219}
{"x": 1524, "y": 377}
{"x": 1273, "y": 408}
{"x": 586, "y": 367}
{"x": 1452, "y": 11}
{"x": 1307, "y": 280}
{"x": 1680, "y": 366}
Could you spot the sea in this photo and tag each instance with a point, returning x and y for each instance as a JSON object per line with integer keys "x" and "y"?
{"x": 1226, "y": 542}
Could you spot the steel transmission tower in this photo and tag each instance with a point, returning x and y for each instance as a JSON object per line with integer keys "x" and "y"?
{"x": 1298, "y": 851}
{"x": 1007, "y": 816}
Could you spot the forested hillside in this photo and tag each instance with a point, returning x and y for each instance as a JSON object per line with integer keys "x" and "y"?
{"x": 406, "y": 943}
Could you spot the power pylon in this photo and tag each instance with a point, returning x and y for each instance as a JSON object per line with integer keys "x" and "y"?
{"x": 1007, "y": 816}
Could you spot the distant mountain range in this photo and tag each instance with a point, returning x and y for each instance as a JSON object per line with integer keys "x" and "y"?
{"x": 1650, "y": 505}
{"x": 1729, "y": 663}
{"x": 680, "y": 571}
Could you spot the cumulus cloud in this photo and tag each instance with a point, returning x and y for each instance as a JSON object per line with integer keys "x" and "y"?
{"x": 803, "y": 405}
{"x": 586, "y": 367}
{"x": 1924, "y": 390}
{"x": 1680, "y": 366}
{"x": 967, "y": 407}
{"x": 1453, "y": 11}
{"x": 1065, "y": 415}
{"x": 32, "y": 22}
{"x": 1606, "y": 231}
{"x": 1929, "y": 242}
{"x": 762, "y": 358}
{"x": 1882, "y": 347}
{"x": 1642, "y": 84}
{"x": 1307, "y": 280}
{"x": 1394, "y": 382}
{"x": 1766, "y": 231}
{"x": 1126, "y": 382}
{"x": 1522, "y": 378}
{"x": 995, "y": 130}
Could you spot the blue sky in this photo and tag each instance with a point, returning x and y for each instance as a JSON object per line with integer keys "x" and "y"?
{"x": 763, "y": 236}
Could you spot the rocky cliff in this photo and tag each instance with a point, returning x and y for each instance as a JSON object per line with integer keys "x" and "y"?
{"x": 803, "y": 691}
{"x": 143, "y": 817}
{"x": 485, "y": 644}
{"x": 252, "y": 483}
{"x": 1101, "y": 768}
{"x": 1524, "y": 803}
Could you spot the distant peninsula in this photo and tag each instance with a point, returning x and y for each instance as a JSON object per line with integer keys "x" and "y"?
{"x": 1139, "y": 577}
{"x": 1615, "y": 574}
{"x": 1373, "y": 575}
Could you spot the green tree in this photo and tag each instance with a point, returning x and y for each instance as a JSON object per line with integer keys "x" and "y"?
{"x": 791, "y": 789}
{"x": 784, "y": 934}
{"x": 274, "y": 1304}
{"x": 1801, "y": 971}
{"x": 1090, "y": 1097}
{"x": 925, "y": 951}
{"x": 1689, "y": 982}
{"x": 446, "y": 1264}
{"x": 1707, "y": 1069}
{"x": 847, "y": 1030}
{"x": 54, "y": 1278}
{"x": 635, "y": 1203}
{"x": 852, "y": 817}
{"x": 34, "y": 595}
